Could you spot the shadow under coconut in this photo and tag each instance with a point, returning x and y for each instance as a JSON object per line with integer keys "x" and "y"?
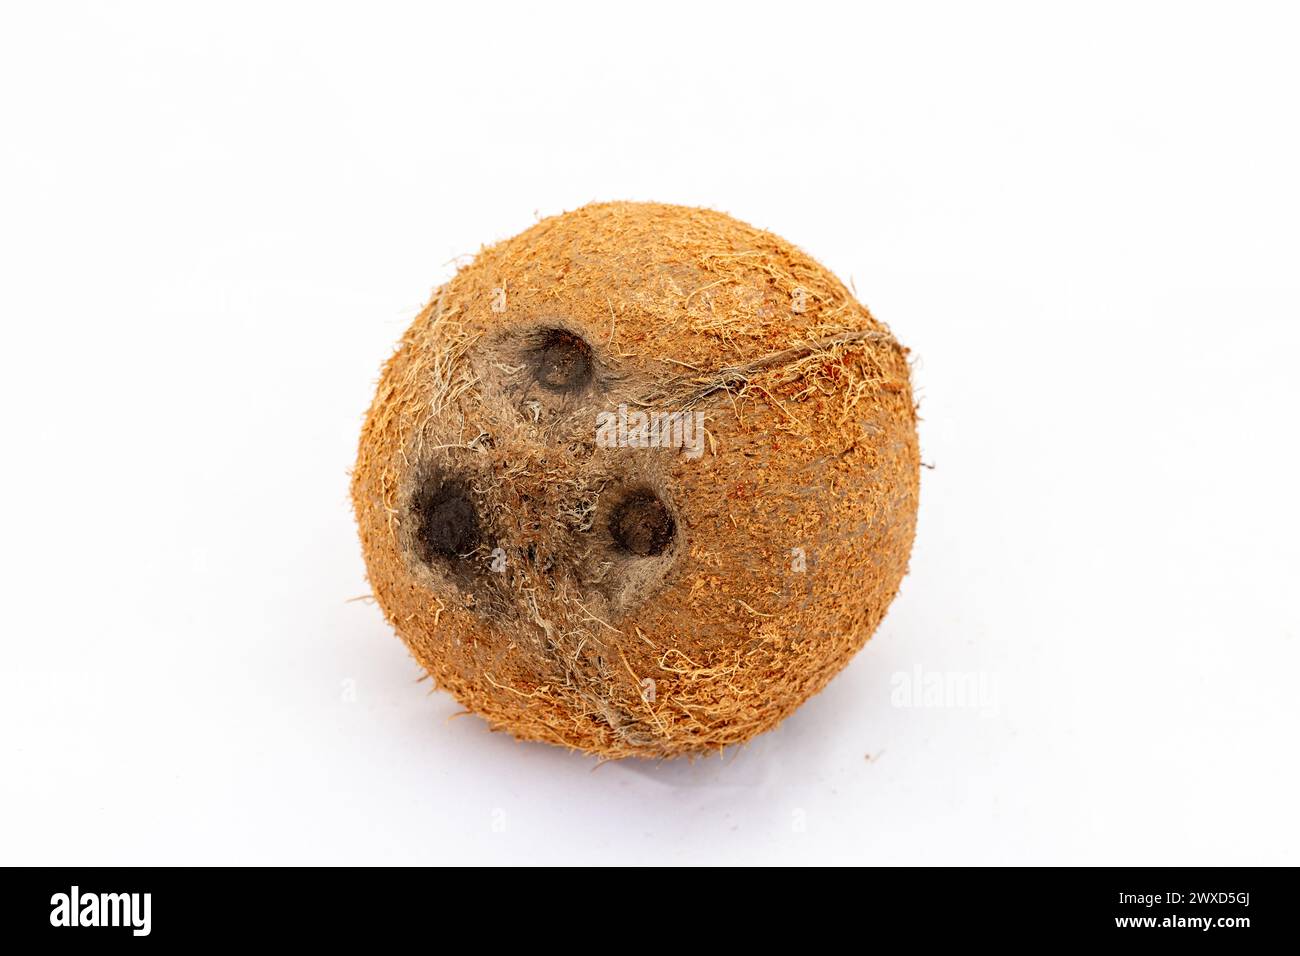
{"x": 803, "y": 746}
{"x": 798, "y": 747}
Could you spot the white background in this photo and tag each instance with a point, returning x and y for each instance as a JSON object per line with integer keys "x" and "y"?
{"x": 1085, "y": 222}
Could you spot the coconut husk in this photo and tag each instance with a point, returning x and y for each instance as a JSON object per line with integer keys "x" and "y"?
{"x": 638, "y": 601}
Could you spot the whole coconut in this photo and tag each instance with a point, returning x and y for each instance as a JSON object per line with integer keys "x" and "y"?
{"x": 578, "y": 566}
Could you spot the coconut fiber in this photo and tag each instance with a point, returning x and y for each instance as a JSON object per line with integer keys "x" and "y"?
{"x": 639, "y": 591}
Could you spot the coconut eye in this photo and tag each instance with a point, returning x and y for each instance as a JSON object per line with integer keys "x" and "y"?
{"x": 642, "y": 525}
{"x": 562, "y": 361}
{"x": 448, "y": 521}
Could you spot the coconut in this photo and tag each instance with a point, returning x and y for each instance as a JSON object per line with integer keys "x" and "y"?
{"x": 639, "y": 481}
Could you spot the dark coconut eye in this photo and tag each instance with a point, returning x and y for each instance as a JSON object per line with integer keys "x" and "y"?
{"x": 448, "y": 520}
{"x": 642, "y": 525}
{"x": 562, "y": 362}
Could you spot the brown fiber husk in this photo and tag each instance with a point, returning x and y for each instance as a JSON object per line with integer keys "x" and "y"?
{"x": 811, "y": 444}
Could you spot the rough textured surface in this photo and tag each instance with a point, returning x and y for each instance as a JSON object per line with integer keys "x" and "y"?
{"x": 624, "y": 600}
